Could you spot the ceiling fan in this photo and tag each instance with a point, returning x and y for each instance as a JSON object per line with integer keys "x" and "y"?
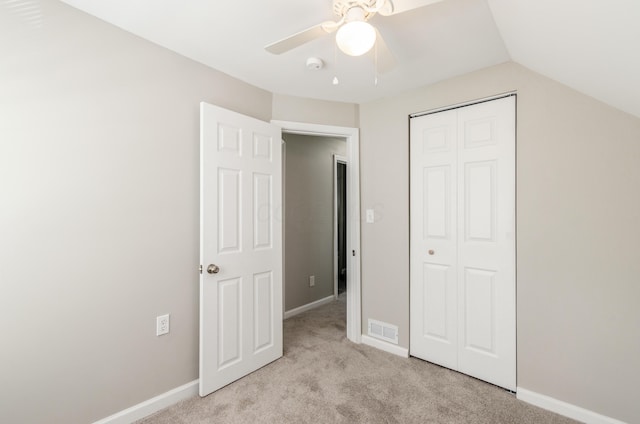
{"x": 354, "y": 36}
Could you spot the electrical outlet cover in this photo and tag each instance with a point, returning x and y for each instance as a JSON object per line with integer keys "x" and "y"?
{"x": 162, "y": 325}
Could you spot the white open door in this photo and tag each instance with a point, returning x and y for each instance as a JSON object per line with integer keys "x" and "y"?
{"x": 240, "y": 246}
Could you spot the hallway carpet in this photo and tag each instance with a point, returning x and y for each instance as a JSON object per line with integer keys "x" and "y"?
{"x": 324, "y": 378}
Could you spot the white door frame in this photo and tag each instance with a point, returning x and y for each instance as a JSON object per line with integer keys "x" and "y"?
{"x": 352, "y": 136}
{"x": 337, "y": 159}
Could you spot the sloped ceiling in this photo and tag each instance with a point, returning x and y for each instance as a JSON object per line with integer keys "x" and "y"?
{"x": 590, "y": 45}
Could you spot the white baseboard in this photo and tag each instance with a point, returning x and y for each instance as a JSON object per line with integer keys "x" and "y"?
{"x": 564, "y": 408}
{"x": 387, "y": 347}
{"x": 303, "y": 308}
{"x": 148, "y": 407}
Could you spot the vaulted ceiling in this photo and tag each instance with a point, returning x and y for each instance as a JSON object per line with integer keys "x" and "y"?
{"x": 590, "y": 45}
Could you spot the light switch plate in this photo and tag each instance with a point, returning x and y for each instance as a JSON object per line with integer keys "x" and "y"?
{"x": 370, "y": 216}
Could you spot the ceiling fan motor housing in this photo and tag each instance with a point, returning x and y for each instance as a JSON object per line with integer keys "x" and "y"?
{"x": 342, "y": 7}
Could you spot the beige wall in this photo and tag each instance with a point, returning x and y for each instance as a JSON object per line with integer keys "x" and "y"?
{"x": 99, "y": 169}
{"x": 577, "y": 232}
{"x": 311, "y": 111}
{"x": 309, "y": 217}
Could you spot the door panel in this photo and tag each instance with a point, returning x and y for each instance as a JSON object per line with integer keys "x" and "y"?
{"x": 437, "y": 202}
{"x": 486, "y": 254}
{"x": 263, "y": 307}
{"x": 463, "y": 240}
{"x": 478, "y": 310}
{"x": 479, "y": 132}
{"x": 435, "y": 303}
{"x": 263, "y": 147}
{"x": 479, "y": 201}
{"x": 262, "y": 207}
{"x": 241, "y": 304}
{"x": 229, "y": 140}
{"x": 229, "y": 329}
{"x": 229, "y": 220}
{"x": 433, "y": 308}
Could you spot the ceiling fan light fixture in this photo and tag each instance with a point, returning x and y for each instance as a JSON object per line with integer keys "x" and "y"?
{"x": 356, "y": 38}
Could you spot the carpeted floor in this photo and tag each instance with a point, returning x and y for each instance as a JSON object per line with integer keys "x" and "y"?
{"x": 324, "y": 378}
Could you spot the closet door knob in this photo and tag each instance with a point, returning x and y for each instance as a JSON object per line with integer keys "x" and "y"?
{"x": 213, "y": 269}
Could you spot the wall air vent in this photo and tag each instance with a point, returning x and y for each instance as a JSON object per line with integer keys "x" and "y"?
{"x": 383, "y": 331}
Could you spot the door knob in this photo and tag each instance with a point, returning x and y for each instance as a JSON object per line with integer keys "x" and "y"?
{"x": 431, "y": 251}
{"x": 213, "y": 269}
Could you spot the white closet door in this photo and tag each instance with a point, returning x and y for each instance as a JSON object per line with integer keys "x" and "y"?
{"x": 480, "y": 267}
{"x": 486, "y": 242}
{"x": 433, "y": 247}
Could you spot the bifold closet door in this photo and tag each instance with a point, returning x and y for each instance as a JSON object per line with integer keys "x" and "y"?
{"x": 463, "y": 240}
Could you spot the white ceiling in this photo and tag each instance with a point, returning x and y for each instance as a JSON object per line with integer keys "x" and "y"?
{"x": 590, "y": 45}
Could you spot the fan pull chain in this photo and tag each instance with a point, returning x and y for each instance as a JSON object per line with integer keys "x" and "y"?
{"x": 375, "y": 64}
{"x": 335, "y": 64}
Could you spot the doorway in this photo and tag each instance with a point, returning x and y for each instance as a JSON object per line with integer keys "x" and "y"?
{"x": 351, "y": 136}
{"x": 310, "y": 206}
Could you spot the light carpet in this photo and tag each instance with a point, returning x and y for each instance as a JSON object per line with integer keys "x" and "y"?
{"x": 325, "y": 378}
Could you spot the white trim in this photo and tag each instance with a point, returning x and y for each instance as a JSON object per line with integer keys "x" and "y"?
{"x": 352, "y": 135}
{"x": 337, "y": 159}
{"x": 463, "y": 104}
{"x": 284, "y": 223}
{"x": 308, "y": 306}
{"x": 564, "y": 408}
{"x": 387, "y": 347}
{"x": 150, "y": 406}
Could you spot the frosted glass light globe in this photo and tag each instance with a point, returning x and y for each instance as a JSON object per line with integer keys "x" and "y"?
{"x": 356, "y": 38}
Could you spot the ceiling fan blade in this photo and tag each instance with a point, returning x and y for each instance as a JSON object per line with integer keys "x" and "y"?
{"x": 393, "y": 7}
{"x": 331, "y": 26}
{"x": 383, "y": 56}
{"x": 299, "y": 38}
